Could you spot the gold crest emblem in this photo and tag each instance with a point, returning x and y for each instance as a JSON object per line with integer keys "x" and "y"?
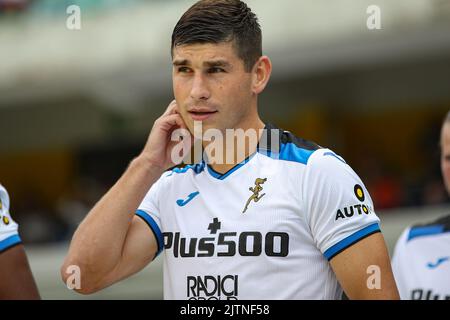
{"x": 256, "y": 190}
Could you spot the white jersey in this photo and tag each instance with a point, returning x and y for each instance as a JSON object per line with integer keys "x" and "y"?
{"x": 266, "y": 229}
{"x": 8, "y": 228}
{"x": 421, "y": 262}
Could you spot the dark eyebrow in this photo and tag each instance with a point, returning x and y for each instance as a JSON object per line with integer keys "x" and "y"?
{"x": 209, "y": 64}
{"x": 217, "y": 63}
{"x": 183, "y": 62}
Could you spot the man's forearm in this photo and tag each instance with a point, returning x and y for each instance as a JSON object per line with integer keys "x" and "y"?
{"x": 102, "y": 233}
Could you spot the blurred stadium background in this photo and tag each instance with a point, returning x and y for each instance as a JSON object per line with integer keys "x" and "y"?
{"x": 76, "y": 106}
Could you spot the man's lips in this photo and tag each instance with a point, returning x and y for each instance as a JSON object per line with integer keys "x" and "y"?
{"x": 201, "y": 114}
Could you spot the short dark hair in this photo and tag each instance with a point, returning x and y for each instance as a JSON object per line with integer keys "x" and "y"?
{"x": 215, "y": 21}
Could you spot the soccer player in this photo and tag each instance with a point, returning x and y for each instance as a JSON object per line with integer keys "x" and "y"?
{"x": 16, "y": 279}
{"x": 285, "y": 220}
{"x": 421, "y": 261}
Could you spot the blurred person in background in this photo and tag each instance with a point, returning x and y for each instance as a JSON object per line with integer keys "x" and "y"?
{"x": 421, "y": 261}
{"x": 288, "y": 223}
{"x": 16, "y": 279}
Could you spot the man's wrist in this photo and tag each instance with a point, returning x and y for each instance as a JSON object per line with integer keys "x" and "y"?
{"x": 150, "y": 168}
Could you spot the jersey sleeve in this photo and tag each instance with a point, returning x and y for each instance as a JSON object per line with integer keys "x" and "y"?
{"x": 9, "y": 236}
{"x": 337, "y": 206}
{"x": 400, "y": 263}
{"x": 149, "y": 211}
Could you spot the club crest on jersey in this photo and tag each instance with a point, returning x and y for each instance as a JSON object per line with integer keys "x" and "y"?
{"x": 357, "y": 209}
{"x": 256, "y": 190}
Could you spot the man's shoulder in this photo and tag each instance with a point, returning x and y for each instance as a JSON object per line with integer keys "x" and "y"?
{"x": 288, "y": 137}
{"x": 295, "y": 149}
{"x": 284, "y": 145}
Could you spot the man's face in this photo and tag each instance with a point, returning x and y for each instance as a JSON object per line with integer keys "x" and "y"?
{"x": 210, "y": 85}
{"x": 445, "y": 155}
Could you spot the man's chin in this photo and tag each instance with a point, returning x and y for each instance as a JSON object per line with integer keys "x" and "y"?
{"x": 203, "y": 126}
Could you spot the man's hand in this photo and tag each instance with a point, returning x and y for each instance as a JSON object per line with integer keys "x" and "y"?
{"x": 112, "y": 243}
{"x": 159, "y": 146}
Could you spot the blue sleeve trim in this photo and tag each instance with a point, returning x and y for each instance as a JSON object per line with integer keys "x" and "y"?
{"x": 350, "y": 240}
{"x": 334, "y": 155}
{"x": 154, "y": 227}
{"x": 425, "y": 231}
{"x": 9, "y": 242}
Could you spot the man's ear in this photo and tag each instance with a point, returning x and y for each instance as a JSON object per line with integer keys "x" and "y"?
{"x": 261, "y": 74}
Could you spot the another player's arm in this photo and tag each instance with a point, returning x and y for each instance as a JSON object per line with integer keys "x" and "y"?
{"x": 356, "y": 266}
{"x": 16, "y": 279}
{"x": 112, "y": 243}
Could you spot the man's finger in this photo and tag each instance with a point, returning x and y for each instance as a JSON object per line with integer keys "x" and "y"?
{"x": 171, "y": 109}
{"x": 173, "y": 120}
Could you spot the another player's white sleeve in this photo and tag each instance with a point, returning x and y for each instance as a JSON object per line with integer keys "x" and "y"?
{"x": 337, "y": 205}
{"x": 400, "y": 263}
{"x": 9, "y": 236}
{"x": 149, "y": 211}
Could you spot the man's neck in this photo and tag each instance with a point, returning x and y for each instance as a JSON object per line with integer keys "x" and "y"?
{"x": 238, "y": 155}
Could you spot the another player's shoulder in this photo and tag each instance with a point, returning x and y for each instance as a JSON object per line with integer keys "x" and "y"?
{"x": 4, "y": 197}
{"x": 4, "y": 201}
{"x": 442, "y": 222}
{"x": 420, "y": 239}
{"x": 440, "y": 226}
{"x": 8, "y": 228}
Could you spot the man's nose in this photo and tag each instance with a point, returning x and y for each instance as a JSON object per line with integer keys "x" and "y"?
{"x": 199, "y": 90}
